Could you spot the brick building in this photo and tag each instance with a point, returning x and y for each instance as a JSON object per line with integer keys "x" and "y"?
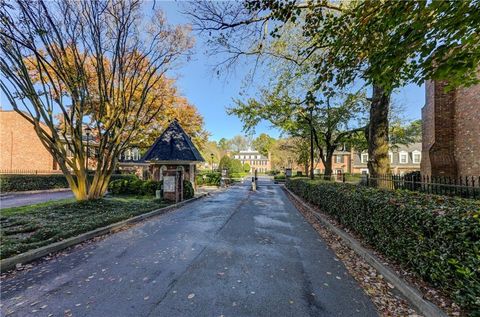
{"x": 403, "y": 159}
{"x": 451, "y": 131}
{"x": 256, "y": 160}
{"x": 341, "y": 162}
{"x": 20, "y": 147}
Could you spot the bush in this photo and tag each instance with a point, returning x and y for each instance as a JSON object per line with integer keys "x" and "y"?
{"x": 134, "y": 186}
{"x": 246, "y": 168}
{"x": 238, "y": 175}
{"x": 188, "y": 191}
{"x": 437, "y": 237}
{"x": 210, "y": 179}
{"x": 16, "y": 183}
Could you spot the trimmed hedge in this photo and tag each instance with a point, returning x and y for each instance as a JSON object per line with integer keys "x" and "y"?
{"x": 437, "y": 237}
{"x": 16, "y": 183}
{"x": 134, "y": 187}
{"x": 211, "y": 178}
{"x": 144, "y": 188}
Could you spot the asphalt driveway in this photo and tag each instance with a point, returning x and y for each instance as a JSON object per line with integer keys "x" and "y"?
{"x": 236, "y": 253}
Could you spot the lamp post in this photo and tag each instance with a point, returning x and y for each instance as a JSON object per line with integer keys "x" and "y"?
{"x": 211, "y": 156}
{"x": 87, "y": 131}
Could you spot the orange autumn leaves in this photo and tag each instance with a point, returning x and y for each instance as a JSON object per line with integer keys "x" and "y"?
{"x": 163, "y": 98}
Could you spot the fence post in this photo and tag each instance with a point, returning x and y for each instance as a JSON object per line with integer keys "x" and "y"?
{"x": 343, "y": 178}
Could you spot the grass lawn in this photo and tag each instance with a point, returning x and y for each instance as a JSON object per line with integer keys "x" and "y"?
{"x": 29, "y": 227}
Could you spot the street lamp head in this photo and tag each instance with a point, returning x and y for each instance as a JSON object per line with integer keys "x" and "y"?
{"x": 87, "y": 130}
{"x": 211, "y": 155}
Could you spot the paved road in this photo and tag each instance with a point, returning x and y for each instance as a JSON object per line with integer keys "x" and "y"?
{"x": 16, "y": 200}
{"x": 236, "y": 253}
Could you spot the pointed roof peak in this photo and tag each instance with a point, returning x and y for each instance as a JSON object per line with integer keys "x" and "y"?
{"x": 174, "y": 144}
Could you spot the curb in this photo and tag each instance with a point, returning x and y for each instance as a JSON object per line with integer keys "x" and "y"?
{"x": 414, "y": 296}
{"x": 35, "y": 254}
{"x": 3, "y": 195}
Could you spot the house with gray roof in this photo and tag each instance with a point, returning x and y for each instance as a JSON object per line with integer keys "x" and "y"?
{"x": 403, "y": 159}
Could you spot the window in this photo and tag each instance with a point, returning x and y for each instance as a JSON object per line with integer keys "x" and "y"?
{"x": 128, "y": 155}
{"x": 416, "y": 157}
{"x": 390, "y": 156}
{"x": 364, "y": 158}
{"x": 135, "y": 154}
{"x": 338, "y": 158}
{"x": 403, "y": 157}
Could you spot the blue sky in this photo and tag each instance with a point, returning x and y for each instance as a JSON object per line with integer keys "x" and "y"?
{"x": 211, "y": 94}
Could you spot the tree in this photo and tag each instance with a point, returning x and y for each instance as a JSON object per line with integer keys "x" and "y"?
{"x": 232, "y": 165}
{"x": 224, "y": 162}
{"x": 224, "y": 145}
{"x": 406, "y": 134}
{"x": 246, "y": 167}
{"x": 238, "y": 143}
{"x": 129, "y": 53}
{"x": 291, "y": 102}
{"x": 384, "y": 43}
{"x": 263, "y": 143}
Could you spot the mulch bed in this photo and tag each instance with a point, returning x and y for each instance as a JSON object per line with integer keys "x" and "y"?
{"x": 383, "y": 294}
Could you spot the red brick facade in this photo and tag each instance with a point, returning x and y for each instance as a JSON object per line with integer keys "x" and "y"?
{"x": 20, "y": 147}
{"x": 451, "y": 131}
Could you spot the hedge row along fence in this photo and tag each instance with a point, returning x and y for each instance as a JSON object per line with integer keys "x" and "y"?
{"x": 17, "y": 183}
{"x": 144, "y": 188}
{"x": 437, "y": 237}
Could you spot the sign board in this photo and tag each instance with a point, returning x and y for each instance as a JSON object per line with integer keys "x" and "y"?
{"x": 169, "y": 184}
{"x": 288, "y": 172}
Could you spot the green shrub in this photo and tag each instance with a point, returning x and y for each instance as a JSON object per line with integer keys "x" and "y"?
{"x": 188, "y": 191}
{"x": 134, "y": 186}
{"x": 16, "y": 183}
{"x": 437, "y": 237}
{"x": 210, "y": 179}
{"x": 238, "y": 175}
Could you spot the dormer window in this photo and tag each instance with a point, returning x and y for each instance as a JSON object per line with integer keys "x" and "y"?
{"x": 403, "y": 157}
{"x": 364, "y": 158}
{"x": 135, "y": 154}
{"x": 390, "y": 156}
{"x": 416, "y": 157}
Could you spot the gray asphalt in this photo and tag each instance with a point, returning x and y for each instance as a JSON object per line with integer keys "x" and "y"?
{"x": 17, "y": 200}
{"x": 236, "y": 253}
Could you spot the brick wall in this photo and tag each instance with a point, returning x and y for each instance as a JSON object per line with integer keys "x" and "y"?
{"x": 20, "y": 147}
{"x": 467, "y": 131}
{"x": 451, "y": 132}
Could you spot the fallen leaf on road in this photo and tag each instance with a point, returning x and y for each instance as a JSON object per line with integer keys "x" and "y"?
{"x": 190, "y": 296}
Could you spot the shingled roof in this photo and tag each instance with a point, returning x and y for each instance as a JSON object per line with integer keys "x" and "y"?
{"x": 173, "y": 145}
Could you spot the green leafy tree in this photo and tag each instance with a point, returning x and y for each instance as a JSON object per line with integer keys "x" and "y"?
{"x": 383, "y": 43}
{"x": 263, "y": 143}
{"x": 246, "y": 167}
{"x": 238, "y": 143}
{"x": 224, "y": 145}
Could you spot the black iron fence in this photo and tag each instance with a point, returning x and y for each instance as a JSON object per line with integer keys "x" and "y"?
{"x": 28, "y": 171}
{"x": 463, "y": 186}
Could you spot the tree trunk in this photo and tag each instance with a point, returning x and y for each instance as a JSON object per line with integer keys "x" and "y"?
{"x": 378, "y": 161}
{"x": 312, "y": 175}
{"x": 328, "y": 164}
